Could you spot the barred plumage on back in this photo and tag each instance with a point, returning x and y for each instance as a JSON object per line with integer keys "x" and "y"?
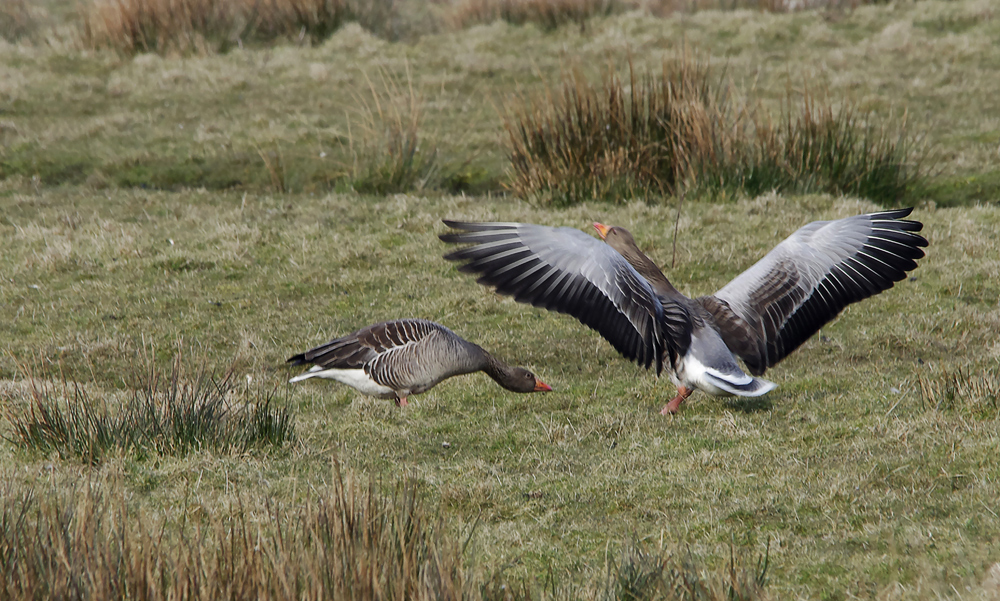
{"x": 396, "y": 359}
{"x": 760, "y": 317}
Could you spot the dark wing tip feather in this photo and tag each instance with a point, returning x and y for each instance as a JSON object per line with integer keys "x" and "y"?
{"x": 450, "y": 237}
{"x": 299, "y": 359}
{"x": 893, "y": 213}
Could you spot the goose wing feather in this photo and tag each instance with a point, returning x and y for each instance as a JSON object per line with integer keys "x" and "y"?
{"x": 364, "y": 346}
{"x": 770, "y": 309}
{"x": 567, "y": 271}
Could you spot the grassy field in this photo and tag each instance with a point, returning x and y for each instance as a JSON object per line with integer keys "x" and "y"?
{"x": 205, "y": 205}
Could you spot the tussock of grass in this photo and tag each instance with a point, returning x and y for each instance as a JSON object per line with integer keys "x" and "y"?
{"x": 641, "y": 575}
{"x": 547, "y": 14}
{"x": 347, "y": 542}
{"x": 185, "y": 26}
{"x": 815, "y": 147}
{"x": 619, "y": 140}
{"x": 165, "y": 415}
{"x": 971, "y": 391}
{"x": 390, "y": 154}
{"x": 680, "y": 129}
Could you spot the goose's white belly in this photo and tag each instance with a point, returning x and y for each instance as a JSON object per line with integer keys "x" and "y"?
{"x": 355, "y": 378}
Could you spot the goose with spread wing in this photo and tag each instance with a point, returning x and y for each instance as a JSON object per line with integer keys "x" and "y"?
{"x": 760, "y": 317}
{"x": 403, "y": 357}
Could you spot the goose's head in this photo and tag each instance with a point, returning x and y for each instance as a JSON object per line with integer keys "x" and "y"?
{"x": 617, "y": 238}
{"x": 522, "y": 380}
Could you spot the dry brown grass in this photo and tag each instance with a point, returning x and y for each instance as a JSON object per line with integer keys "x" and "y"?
{"x": 185, "y": 26}
{"x": 87, "y": 541}
{"x": 347, "y": 543}
{"x": 389, "y": 151}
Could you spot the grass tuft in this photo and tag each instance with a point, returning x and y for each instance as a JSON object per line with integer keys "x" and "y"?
{"x": 632, "y": 137}
{"x": 390, "y": 155}
{"x": 348, "y": 543}
{"x": 619, "y": 140}
{"x": 164, "y": 415}
{"x": 967, "y": 390}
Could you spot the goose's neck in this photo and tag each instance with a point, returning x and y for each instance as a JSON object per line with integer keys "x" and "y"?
{"x": 647, "y": 269}
{"x": 501, "y": 373}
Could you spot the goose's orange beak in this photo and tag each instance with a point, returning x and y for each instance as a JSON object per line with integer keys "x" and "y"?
{"x": 601, "y": 229}
{"x": 541, "y": 386}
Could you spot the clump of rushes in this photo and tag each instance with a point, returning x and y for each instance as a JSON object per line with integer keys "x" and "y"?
{"x": 164, "y": 415}
{"x": 815, "y": 147}
{"x": 185, "y": 26}
{"x": 389, "y": 152}
{"x": 681, "y": 129}
{"x": 547, "y": 14}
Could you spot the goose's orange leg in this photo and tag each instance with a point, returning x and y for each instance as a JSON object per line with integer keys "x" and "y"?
{"x": 401, "y": 402}
{"x": 675, "y": 403}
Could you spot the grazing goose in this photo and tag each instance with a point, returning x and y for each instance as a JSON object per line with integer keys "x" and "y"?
{"x": 760, "y": 317}
{"x": 394, "y": 359}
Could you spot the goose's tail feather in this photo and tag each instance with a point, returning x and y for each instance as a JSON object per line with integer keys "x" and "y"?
{"x": 749, "y": 387}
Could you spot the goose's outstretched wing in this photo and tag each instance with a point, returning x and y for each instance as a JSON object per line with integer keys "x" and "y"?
{"x": 565, "y": 270}
{"x": 804, "y": 282}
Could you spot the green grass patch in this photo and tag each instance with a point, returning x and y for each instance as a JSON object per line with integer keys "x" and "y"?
{"x": 558, "y": 481}
{"x": 862, "y": 485}
{"x": 51, "y": 167}
{"x": 960, "y": 190}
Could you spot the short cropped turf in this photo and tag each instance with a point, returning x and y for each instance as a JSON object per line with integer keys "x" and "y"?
{"x": 209, "y": 204}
